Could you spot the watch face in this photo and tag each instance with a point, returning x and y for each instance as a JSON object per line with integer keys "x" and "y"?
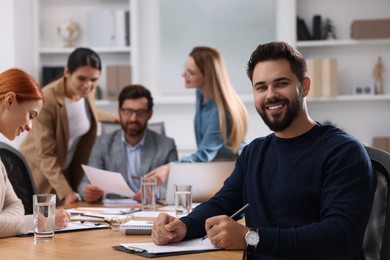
{"x": 252, "y": 238}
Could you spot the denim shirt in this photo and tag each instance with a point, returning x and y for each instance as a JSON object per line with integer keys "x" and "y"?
{"x": 209, "y": 140}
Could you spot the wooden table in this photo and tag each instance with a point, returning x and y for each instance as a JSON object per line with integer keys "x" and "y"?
{"x": 89, "y": 244}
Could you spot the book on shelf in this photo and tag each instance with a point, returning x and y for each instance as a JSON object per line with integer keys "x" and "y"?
{"x": 303, "y": 33}
{"x": 137, "y": 227}
{"x": 108, "y": 28}
{"x": 317, "y": 27}
{"x": 330, "y": 80}
{"x": 323, "y": 74}
{"x": 127, "y": 28}
{"x": 49, "y": 73}
{"x": 314, "y": 72}
{"x": 118, "y": 76}
{"x": 121, "y": 30}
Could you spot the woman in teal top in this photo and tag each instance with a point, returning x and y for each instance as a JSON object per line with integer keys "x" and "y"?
{"x": 221, "y": 118}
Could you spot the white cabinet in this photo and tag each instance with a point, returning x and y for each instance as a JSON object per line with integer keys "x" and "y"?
{"x": 49, "y": 46}
{"x": 356, "y": 58}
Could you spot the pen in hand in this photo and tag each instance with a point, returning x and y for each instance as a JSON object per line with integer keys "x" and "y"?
{"x": 232, "y": 216}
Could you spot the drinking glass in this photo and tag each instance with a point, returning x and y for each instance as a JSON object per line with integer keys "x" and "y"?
{"x": 148, "y": 193}
{"x": 183, "y": 200}
{"x": 44, "y": 217}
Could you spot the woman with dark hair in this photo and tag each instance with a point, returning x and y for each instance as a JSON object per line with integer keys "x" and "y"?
{"x": 21, "y": 101}
{"x": 64, "y": 134}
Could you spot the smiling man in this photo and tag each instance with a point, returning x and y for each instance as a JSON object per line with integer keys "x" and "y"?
{"x": 132, "y": 150}
{"x": 309, "y": 186}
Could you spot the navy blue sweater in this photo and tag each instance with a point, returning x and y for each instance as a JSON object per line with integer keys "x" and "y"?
{"x": 310, "y": 197}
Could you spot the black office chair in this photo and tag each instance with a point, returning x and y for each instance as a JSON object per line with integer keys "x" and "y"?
{"x": 108, "y": 127}
{"x": 19, "y": 175}
{"x": 376, "y": 244}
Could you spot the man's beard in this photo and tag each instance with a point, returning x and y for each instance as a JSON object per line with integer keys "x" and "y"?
{"x": 134, "y": 132}
{"x": 281, "y": 122}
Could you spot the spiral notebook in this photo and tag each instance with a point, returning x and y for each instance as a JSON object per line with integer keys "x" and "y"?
{"x": 137, "y": 227}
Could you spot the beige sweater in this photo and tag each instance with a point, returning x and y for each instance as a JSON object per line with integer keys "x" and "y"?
{"x": 12, "y": 218}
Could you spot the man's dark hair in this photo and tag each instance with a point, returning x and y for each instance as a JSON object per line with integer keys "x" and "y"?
{"x": 134, "y": 92}
{"x": 276, "y": 51}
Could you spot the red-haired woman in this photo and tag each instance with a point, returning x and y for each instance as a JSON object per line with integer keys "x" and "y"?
{"x": 21, "y": 101}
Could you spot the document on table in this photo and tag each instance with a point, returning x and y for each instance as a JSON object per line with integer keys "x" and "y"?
{"x": 102, "y": 210}
{"x": 98, "y": 214}
{"x": 75, "y": 226}
{"x": 110, "y": 182}
{"x": 184, "y": 247}
{"x": 152, "y": 214}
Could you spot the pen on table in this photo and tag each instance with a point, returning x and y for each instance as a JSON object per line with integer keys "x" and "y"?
{"x": 91, "y": 216}
{"x": 232, "y": 216}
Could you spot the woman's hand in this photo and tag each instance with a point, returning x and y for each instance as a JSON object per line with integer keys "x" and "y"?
{"x": 62, "y": 218}
{"x": 160, "y": 173}
{"x": 71, "y": 197}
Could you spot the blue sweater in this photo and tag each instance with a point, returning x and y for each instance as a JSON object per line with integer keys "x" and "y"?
{"x": 310, "y": 197}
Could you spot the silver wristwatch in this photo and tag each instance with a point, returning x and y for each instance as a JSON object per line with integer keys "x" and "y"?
{"x": 252, "y": 239}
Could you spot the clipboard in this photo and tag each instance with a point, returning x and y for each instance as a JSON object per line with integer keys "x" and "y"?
{"x": 73, "y": 226}
{"x": 155, "y": 255}
{"x": 150, "y": 250}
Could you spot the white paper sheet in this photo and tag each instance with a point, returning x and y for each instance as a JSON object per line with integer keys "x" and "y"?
{"x": 152, "y": 214}
{"x": 172, "y": 207}
{"x": 190, "y": 245}
{"x": 77, "y": 225}
{"x": 110, "y": 182}
{"x": 102, "y": 210}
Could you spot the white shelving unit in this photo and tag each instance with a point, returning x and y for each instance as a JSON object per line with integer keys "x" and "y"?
{"x": 356, "y": 58}
{"x": 342, "y": 42}
{"x": 364, "y": 116}
{"x": 48, "y": 45}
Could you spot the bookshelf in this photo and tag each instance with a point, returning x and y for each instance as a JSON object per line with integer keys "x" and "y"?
{"x": 356, "y": 58}
{"x": 49, "y": 46}
{"x": 360, "y": 115}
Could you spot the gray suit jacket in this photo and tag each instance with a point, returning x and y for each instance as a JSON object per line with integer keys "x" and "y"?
{"x": 109, "y": 153}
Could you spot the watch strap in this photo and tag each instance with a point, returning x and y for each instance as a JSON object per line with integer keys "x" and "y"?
{"x": 251, "y": 248}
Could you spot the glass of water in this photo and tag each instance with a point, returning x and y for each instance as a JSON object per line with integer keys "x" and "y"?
{"x": 148, "y": 194}
{"x": 44, "y": 217}
{"x": 183, "y": 200}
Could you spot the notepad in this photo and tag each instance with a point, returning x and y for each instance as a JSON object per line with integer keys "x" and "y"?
{"x": 137, "y": 227}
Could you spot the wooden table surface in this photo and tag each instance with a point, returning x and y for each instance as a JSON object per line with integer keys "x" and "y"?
{"x": 89, "y": 244}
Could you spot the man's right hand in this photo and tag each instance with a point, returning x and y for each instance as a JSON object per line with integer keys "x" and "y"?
{"x": 92, "y": 193}
{"x": 167, "y": 229}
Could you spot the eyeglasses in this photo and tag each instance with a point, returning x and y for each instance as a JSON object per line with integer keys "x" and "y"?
{"x": 188, "y": 73}
{"x": 115, "y": 222}
{"x": 140, "y": 113}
